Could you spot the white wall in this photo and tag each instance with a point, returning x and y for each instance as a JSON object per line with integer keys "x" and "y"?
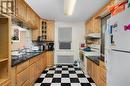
{"x": 78, "y": 30}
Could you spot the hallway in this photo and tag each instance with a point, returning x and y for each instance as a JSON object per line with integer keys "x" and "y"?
{"x": 64, "y": 75}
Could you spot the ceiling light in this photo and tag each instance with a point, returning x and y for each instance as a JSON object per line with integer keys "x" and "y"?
{"x": 69, "y": 7}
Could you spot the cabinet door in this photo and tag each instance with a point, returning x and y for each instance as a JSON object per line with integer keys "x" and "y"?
{"x": 22, "y": 66}
{"x": 44, "y": 61}
{"x": 29, "y": 15}
{"x": 21, "y": 9}
{"x": 32, "y": 73}
{"x": 6, "y": 84}
{"x": 35, "y": 34}
{"x": 96, "y": 25}
{"x": 50, "y": 30}
{"x": 95, "y": 73}
{"x": 50, "y": 58}
{"x": 89, "y": 67}
{"x": 102, "y": 77}
{"x": 22, "y": 77}
{"x": 27, "y": 83}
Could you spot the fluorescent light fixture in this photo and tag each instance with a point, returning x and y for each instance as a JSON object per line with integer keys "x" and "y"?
{"x": 69, "y": 7}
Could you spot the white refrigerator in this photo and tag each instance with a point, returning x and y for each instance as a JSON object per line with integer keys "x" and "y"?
{"x": 117, "y": 50}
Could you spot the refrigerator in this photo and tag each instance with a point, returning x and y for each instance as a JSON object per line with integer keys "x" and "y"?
{"x": 117, "y": 50}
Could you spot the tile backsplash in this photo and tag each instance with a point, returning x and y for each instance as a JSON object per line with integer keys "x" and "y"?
{"x": 25, "y": 39}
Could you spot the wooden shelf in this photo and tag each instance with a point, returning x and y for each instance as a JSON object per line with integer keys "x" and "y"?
{"x": 3, "y": 59}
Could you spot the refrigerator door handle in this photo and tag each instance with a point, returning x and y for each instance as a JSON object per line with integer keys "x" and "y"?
{"x": 121, "y": 51}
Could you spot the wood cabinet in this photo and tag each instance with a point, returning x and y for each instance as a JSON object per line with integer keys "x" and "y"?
{"x": 92, "y": 70}
{"x": 6, "y": 83}
{"x": 21, "y": 10}
{"x": 25, "y": 14}
{"x": 32, "y": 70}
{"x": 102, "y": 74}
{"x": 50, "y": 30}
{"x": 22, "y": 77}
{"x": 95, "y": 73}
{"x": 26, "y": 73}
{"x": 89, "y": 67}
{"x": 22, "y": 66}
{"x": 50, "y": 58}
{"x": 4, "y": 49}
{"x": 93, "y": 25}
{"x": 46, "y": 30}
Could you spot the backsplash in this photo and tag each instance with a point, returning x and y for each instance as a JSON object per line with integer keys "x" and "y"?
{"x": 25, "y": 39}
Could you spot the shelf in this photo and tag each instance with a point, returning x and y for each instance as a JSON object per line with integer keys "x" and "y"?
{"x": 3, "y": 59}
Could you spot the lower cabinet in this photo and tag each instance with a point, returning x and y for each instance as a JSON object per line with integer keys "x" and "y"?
{"x": 92, "y": 70}
{"x": 22, "y": 77}
{"x": 7, "y": 83}
{"x": 50, "y": 58}
{"x": 102, "y": 76}
{"x": 97, "y": 72}
{"x": 27, "y": 72}
{"x": 32, "y": 70}
{"x": 27, "y": 83}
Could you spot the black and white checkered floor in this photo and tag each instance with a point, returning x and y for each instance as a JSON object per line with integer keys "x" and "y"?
{"x": 64, "y": 76}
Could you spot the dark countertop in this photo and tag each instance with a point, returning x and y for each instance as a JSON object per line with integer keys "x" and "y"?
{"x": 94, "y": 59}
{"x": 20, "y": 59}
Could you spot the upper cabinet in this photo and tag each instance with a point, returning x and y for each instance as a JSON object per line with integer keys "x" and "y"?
{"x": 25, "y": 13}
{"x": 50, "y": 30}
{"x": 93, "y": 25}
{"x": 21, "y": 10}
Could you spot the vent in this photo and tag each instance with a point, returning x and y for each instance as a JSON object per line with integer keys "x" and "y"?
{"x": 65, "y": 59}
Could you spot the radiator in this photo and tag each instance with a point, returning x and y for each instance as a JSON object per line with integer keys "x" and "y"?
{"x": 65, "y": 59}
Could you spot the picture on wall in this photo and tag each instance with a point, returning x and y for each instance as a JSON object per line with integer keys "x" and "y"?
{"x": 16, "y": 35}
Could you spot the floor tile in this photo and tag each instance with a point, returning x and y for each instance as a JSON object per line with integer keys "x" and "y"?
{"x": 57, "y": 76}
{"x": 74, "y": 80}
{"x": 85, "y": 84}
{"x": 65, "y": 80}
{"x": 73, "y": 76}
{"x": 39, "y": 80}
{"x": 56, "y": 84}
{"x": 37, "y": 84}
{"x": 65, "y": 84}
{"x": 75, "y": 84}
{"x": 47, "y": 80}
{"x": 49, "y": 75}
{"x": 56, "y": 80}
{"x": 83, "y": 80}
{"x": 64, "y": 75}
{"x": 90, "y": 80}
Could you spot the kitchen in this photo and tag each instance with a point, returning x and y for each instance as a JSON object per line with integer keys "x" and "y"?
{"x": 80, "y": 48}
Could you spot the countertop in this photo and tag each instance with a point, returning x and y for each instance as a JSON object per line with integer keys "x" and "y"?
{"x": 20, "y": 59}
{"x": 95, "y": 59}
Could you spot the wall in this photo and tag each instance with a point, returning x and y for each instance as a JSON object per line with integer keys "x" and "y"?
{"x": 78, "y": 30}
{"x": 25, "y": 39}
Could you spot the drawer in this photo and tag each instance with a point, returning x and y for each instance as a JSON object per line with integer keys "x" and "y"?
{"x": 22, "y": 66}
{"x": 33, "y": 60}
{"x": 22, "y": 77}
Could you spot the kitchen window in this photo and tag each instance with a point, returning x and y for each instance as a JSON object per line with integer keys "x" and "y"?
{"x": 65, "y": 37}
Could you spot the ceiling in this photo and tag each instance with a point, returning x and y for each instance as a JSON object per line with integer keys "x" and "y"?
{"x": 54, "y": 9}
